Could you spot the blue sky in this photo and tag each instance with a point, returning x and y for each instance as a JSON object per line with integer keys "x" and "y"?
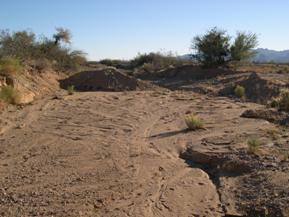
{"x": 122, "y": 28}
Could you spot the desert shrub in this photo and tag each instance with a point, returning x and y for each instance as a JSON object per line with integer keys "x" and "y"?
{"x": 239, "y": 91}
{"x": 9, "y": 95}
{"x": 213, "y": 49}
{"x": 62, "y": 57}
{"x": 121, "y": 64}
{"x": 148, "y": 67}
{"x": 282, "y": 102}
{"x": 142, "y": 59}
{"x": 156, "y": 61}
{"x": 70, "y": 90}
{"x": 19, "y": 44}
{"x": 9, "y": 66}
{"x": 78, "y": 57}
{"x": 107, "y": 62}
{"x": 25, "y": 46}
{"x": 43, "y": 64}
{"x": 147, "y": 62}
{"x": 253, "y": 145}
{"x": 193, "y": 122}
{"x": 62, "y": 35}
{"x": 274, "y": 103}
{"x": 242, "y": 48}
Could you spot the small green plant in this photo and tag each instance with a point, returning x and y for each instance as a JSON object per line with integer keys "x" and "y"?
{"x": 9, "y": 66}
{"x": 193, "y": 122}
{"x": 274, "y": 103}
{"x": 282, "y": 102}
{"x": 239, "y": 91}
{"x": 253, "y": 145}
{"x": 71, "y": 89}
{"x": 10, "y": 95}
{"x": 148, "y": 67}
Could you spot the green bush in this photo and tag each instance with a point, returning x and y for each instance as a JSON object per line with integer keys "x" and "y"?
{"x": 147, "y": 62}
{"x": 242, "y": 48}
{"x": 213, "y": 49}
{"x": 156, "y": 61}
{"x": 9, "y": 66}
{"x": 142, "y": 59}
{"x": 20, "y": 44}
{"x": 253, "y": 145}
{"x": 193, "y": 122}
{"x": 275, "y": 103}
{"x": 239, "y": 91}
{"x": 282, "y": 102}
{"x": 61, "y": 57}
{"x": 121, "y": 64}
{"x": 70, "y": 90}
{"x": 24, "y": 46}
{"x": 9, "y": 95}
{"x": 43, "y": 64}
{"x": 148, "y": 67}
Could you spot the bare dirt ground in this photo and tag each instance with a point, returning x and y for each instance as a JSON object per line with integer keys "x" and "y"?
{"x": 129, "y": 154}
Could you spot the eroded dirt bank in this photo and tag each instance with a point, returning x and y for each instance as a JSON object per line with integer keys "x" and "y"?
{"x": 127, "y": 154}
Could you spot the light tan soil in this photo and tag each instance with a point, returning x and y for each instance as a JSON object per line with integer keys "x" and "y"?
{"x": 122, "y": 154}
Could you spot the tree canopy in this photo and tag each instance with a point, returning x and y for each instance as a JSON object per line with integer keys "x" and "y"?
{"x": 213, "y": 49}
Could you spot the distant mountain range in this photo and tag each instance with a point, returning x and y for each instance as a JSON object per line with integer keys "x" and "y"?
{"x": 263, "y": 55}
{"x": 266, "y": 55}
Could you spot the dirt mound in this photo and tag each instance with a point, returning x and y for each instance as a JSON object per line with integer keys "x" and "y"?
{"x": 109, "y": 79}
{"x": 258, "y": 89}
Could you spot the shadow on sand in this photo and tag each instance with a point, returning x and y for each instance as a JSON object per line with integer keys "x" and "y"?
{"x": 171, "y": 133}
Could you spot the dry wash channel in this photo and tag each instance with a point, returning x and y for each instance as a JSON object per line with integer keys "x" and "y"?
{"x": 118, "y": 154}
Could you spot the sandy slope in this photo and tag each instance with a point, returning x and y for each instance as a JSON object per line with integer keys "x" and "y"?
{"x": 116, "y": 154}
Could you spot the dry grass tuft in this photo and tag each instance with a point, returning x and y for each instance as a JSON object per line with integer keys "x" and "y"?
{"x": 282, "y": 103}
{"x": 193, "y": 122}
{"x": 70, "y": 90}
{"x": 239, "y": 91}
{"x": 10, "y": 95}
{"x": 253, "y": 145}
{"x": 9, "y": 66}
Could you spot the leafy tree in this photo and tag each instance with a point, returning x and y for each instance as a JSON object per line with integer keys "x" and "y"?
{"x": 242, "y": 48}
{"x": 17, "y": 44}
{"x": 213, "y": 48}
{"x": 157, "y": 60}
{"x": 62, "y": 35}
{"x": 24, "y": 46}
